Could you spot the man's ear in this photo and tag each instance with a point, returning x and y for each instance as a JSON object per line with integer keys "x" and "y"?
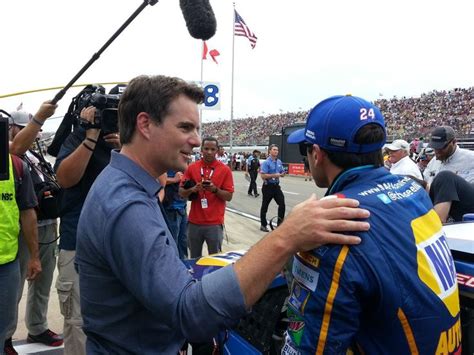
{"x": 143, "y": 124}
{"x": 317, "y": 154}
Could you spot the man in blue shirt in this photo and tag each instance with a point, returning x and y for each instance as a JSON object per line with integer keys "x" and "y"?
{"x": 136, "y": 294}
{"x": 271, "y": 171}
{"x": 175, "y": 208}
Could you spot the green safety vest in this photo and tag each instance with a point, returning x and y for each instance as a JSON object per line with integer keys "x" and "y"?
{"x": 9, "y": 220}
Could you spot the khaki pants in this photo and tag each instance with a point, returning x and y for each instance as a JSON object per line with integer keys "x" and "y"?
{"x": 36, "y": 317}
{"x": 68, "y": 293}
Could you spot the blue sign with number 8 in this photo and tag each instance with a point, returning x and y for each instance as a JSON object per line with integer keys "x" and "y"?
{"x": 211, "y": 96}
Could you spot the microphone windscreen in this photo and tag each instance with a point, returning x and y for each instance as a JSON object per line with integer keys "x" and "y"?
{"x": 200, "y": 19}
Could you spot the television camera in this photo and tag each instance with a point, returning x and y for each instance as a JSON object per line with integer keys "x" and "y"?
{"x": 106, "y": 114}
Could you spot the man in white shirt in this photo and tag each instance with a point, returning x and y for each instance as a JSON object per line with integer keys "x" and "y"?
{"x": 398, "y": 155}
{"x": 222, "y": 156}
{"x": 450, "y": 156}
{"x": 431, "y": 170}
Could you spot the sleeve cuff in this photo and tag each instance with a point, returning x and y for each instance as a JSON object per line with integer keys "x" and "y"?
{"x": 222, "y": 291}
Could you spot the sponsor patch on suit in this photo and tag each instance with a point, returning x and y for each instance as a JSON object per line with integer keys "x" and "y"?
{"x": 305, "y": 275}
{"x": 298, "y": 297}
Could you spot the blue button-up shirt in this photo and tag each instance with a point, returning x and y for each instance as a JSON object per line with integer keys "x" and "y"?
{"x": 270, "y": 166}
{"x": 136, "y": 295}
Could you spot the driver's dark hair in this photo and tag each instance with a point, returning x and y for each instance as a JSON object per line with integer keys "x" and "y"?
{"x": 153, "y": 95}
{"x": 368, "y": 134}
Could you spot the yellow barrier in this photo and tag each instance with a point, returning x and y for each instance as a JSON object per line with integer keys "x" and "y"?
{"x": 58, "y": 88}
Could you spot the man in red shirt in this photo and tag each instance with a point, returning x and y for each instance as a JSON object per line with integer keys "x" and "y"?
{"x": 213, "y": 186}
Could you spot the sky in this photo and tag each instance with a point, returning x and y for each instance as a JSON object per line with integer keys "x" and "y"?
{"x": 306, "y": 50}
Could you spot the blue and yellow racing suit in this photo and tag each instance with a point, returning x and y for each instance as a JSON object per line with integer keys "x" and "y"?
{"x": 395, "y": 293}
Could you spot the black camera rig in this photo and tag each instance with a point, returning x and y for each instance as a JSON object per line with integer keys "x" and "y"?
{"x": 106, "y": 114}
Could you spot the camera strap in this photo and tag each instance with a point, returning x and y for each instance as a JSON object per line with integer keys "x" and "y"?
{"x": 43, "y": 168}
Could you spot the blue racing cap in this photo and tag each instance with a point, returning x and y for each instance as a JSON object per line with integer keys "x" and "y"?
{"x": 333, "y": 124}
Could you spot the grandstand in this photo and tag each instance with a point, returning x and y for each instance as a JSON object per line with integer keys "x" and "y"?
{"x": 406, "y": 118}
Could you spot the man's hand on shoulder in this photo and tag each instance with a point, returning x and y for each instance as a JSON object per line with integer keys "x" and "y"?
{"x": 316, "y": 222}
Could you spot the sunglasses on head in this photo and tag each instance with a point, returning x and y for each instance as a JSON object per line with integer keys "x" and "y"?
{"x": 305, "y": 147}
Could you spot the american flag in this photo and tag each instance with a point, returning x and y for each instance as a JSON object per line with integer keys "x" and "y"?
{"x": 241, "y": 29}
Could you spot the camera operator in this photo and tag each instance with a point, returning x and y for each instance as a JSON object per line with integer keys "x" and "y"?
{"x": 81, "y": 158}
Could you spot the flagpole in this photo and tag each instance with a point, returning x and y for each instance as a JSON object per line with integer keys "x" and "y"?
{"x": 232, "y": 84}
{"x": 201, "y": 82}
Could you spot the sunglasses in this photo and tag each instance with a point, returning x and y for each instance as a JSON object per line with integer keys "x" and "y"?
{"x": 305, "y": 147}
{"x": 11, "y": 125}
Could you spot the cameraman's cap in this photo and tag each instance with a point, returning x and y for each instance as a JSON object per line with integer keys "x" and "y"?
{"x": 398, "y": 144}
{"x": 440, "y": 136}
{"x": 333, "y": 124}
{"x": 19, "y": 118}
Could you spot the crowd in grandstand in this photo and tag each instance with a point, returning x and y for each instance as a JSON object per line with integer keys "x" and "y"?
{"x": 404, "y": 117}
{"x": 252, "y": 130}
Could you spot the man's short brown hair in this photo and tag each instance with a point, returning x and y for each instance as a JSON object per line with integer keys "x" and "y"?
{"x": 153, "y": 95}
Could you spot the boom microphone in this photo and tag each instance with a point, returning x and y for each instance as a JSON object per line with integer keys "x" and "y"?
{"x": 96, "y": 56}
{"x": 199, "y": 18}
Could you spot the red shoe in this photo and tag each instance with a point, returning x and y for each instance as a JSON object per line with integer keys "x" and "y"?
{"x": 48, "y": 338}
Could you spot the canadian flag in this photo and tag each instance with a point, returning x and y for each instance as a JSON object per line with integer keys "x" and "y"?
{"x": 213, "y": 53}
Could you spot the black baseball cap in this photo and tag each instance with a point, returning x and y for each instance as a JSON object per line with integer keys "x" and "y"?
{"x": 441, "y": 136}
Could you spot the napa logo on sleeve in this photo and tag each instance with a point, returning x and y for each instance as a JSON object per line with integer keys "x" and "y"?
{"x": 435, "y": 263}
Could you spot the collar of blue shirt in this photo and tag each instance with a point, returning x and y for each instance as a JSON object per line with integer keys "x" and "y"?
{"x": 140, "y": 175}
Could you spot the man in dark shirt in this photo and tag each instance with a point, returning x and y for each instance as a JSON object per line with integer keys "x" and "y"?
{"x": 83, "y": 155}
{"x": 452, "y": 196}
{"x": 251, "y": 169}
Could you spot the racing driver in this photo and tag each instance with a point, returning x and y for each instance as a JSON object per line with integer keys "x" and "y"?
{"x": 395, "y": 292}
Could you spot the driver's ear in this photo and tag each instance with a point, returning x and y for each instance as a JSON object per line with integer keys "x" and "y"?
{"x": 316, "y": 154}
